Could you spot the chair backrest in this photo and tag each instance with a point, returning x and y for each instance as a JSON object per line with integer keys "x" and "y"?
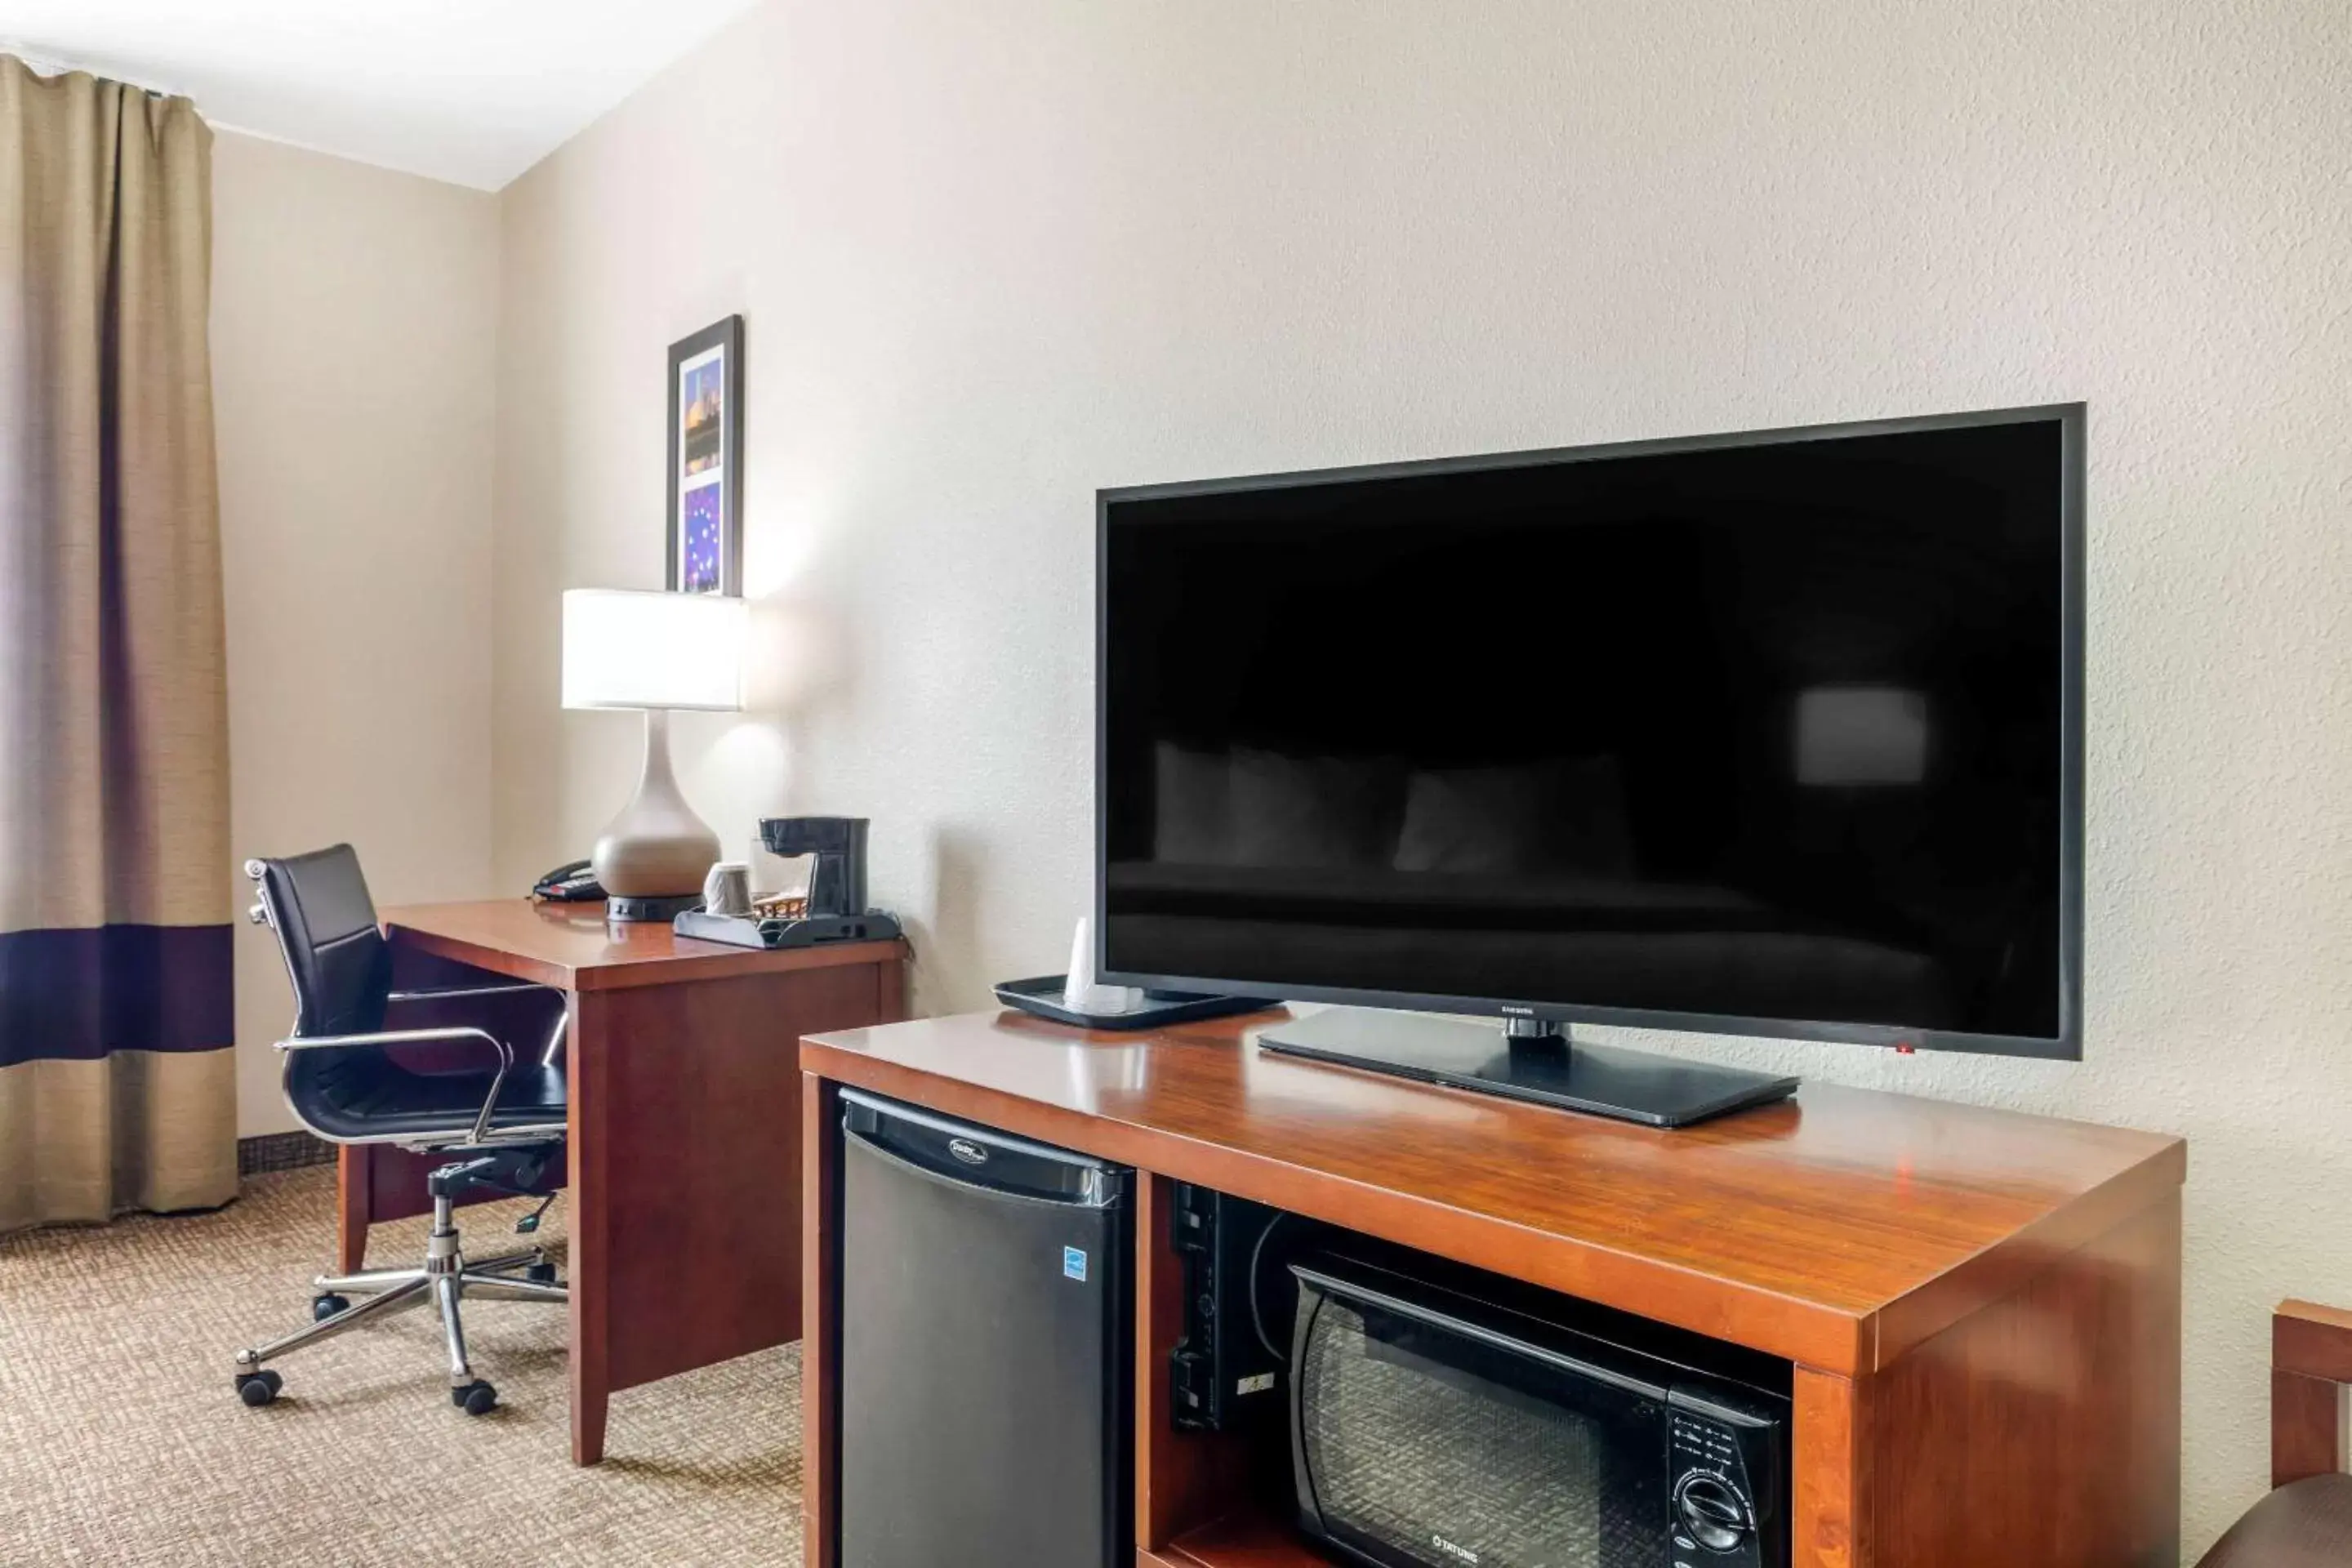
{"x": 336, "y": 955}
{"x": 341, "y": 970}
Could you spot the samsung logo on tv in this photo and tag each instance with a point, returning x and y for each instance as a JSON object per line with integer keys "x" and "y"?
{"x": 1459, "y": 1554}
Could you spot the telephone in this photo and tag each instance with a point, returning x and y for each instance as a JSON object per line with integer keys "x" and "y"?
{"x": 569, "y": 884}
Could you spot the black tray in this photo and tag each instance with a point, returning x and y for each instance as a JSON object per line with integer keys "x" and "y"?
{"x": 809, "y": 931}
{"x": 1042, "y": 996}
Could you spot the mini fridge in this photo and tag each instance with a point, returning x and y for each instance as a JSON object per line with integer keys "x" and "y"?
{"x": 986, "y": 1347}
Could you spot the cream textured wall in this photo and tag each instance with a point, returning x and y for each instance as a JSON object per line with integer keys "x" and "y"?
{"x": 994, "y": 256}
{"x": 353, "y": 333}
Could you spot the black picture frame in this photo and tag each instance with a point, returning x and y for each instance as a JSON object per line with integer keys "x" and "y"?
{"x": 706, "y": 467}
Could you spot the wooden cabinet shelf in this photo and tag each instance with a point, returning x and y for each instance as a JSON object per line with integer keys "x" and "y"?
{"x": 1248, "y": 1540}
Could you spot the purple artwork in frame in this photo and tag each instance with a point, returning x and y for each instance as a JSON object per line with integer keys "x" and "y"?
{"x": 706, "y": 460}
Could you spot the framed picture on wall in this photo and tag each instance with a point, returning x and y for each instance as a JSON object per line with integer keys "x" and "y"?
{"x": 706, "y": 460}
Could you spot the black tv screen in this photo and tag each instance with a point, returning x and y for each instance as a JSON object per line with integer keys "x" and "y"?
{"x": 1769, "y": 734}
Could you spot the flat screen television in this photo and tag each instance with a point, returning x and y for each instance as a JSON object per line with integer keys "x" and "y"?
{"x": 1768, "y": 733}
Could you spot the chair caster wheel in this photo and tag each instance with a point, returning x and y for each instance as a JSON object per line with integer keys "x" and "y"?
{"x": 543, "y": 1273}
{"x": 475, "y": 1398}
{"x": 258, "y": 1388}
{"x": 326, "y": 1306}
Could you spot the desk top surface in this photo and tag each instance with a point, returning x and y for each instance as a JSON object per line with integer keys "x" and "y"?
{"x": 573, "y": 947}
{"x": 1838, "y": 1229}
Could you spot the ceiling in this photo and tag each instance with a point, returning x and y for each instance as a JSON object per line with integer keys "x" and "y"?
{"x": 472, "y": 92}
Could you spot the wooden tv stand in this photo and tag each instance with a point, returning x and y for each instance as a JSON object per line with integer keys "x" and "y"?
{"x": 1982, "y": 1309}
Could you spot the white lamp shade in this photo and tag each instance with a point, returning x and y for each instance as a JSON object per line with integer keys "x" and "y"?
{"x": 626, "y": 649}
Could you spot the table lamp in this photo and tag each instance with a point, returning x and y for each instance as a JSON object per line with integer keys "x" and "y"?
{"x": 655, "y": 652}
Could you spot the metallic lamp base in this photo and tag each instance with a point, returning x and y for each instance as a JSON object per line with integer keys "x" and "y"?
{"x": 663, "y": 907}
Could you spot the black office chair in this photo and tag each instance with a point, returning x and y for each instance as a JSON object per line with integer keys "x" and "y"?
{"x": 500, "y": 1126}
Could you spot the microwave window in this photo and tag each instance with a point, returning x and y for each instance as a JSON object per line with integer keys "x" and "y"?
{"x": 1426, "y": 1446}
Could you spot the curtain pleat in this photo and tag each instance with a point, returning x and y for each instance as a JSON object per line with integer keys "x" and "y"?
{"x": 117, "y": 1077}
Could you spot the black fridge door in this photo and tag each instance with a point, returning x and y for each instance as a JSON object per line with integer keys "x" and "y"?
{"x": 985, "y": 1348}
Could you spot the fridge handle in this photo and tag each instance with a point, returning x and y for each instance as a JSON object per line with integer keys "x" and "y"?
{"x": 1105, "y": 1188}
{"x": 891, "y": 1111}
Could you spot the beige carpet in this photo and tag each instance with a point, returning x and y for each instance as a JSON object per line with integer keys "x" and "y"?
{"x": 122, "y": 1444}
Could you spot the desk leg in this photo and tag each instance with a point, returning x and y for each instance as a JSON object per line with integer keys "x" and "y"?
{"x": 588, "y": 1262}
{"x": 354, "y": 1184}
{"x": 685, "y": 1111}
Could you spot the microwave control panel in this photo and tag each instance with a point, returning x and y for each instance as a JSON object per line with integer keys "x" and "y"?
{"x": 1724, "y": 1511}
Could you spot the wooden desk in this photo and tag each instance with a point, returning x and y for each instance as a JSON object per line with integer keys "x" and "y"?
{"x": 684, "y": 1158}
{"x": 1983, "y": 1310}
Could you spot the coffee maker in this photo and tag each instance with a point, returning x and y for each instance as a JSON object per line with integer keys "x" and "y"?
{"x": 836, "y": 893}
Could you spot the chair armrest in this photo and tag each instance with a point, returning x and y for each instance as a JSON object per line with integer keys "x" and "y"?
{"x": 2312, "y": 1340}
{"x": 2311, "y": 1361}
{"x": 380, "y": 1037}
{"x": 397, "y": 1037}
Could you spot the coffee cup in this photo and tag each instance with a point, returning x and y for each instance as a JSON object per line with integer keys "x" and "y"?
{"x": 727, "y": 890}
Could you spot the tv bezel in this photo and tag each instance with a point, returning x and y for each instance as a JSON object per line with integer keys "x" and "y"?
{"x": 2065, "y": 1046}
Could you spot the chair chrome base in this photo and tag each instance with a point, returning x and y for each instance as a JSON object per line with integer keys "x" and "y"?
{"x": 445, "y": 1279}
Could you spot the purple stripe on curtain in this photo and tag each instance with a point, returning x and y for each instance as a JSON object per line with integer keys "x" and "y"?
{"x": 84, "y": 994}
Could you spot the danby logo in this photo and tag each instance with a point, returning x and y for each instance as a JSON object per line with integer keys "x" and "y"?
{"x": 969, "y": 1153}
{"x": 1459, "y": 1554}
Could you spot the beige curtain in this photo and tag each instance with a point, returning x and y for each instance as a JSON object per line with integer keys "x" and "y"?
{"x": 117, "y": 1079}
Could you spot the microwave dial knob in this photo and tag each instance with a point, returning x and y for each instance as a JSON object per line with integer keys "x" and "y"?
{"x": 1712, "y": 1511}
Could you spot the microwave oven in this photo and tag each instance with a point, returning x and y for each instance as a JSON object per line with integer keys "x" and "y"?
{"x": 1434, "y": 1426}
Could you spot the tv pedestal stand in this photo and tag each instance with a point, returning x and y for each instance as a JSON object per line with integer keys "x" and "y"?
{"x": 1979, "y": 1310}
{"x": 1532, "y": 1059}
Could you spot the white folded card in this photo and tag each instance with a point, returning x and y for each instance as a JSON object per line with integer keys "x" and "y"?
{"x": 1079, "y": 992}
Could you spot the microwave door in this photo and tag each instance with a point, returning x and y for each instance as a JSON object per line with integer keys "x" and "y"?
{"x": 1421, "y": 1438}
